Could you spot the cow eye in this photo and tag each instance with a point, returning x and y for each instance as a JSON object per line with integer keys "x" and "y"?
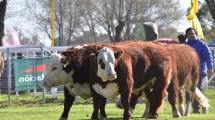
{"x": 102, "y": 64}
{"x": 54, "y": 68}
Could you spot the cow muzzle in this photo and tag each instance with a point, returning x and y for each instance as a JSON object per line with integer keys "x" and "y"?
{"x": 111, "y": 76}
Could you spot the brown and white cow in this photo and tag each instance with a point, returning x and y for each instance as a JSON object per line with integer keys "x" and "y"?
{"x": 186, "y": 74}
{"x": 141, "y": 63}
{"x": 185, "y": 69}
{"x": 57, "y": 74}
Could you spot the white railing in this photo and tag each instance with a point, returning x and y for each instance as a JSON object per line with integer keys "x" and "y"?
{"x": 33, "y": 51}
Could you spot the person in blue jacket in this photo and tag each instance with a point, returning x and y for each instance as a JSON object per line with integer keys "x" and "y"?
{"x": 206, "y": 64}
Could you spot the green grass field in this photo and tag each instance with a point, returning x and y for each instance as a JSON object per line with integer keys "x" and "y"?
{"x": 27, "y": 108}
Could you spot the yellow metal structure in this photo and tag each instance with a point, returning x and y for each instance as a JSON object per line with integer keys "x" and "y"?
{"x": 53, "y": 23}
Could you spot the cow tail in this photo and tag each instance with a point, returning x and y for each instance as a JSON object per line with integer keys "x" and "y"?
{"x": 201, "y": 98}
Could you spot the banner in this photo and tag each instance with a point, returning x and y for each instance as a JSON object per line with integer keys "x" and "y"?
{"x": 191, "y": 16}
{"x": 29, "y": 73}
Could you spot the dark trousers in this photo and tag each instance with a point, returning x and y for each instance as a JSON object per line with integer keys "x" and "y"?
{"x": 201, "y": 86}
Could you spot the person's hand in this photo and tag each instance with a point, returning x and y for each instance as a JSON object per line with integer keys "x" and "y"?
{"x": 210, "y": 73}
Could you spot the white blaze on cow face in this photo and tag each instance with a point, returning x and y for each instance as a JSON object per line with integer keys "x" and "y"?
{"x": 106, "y": 64}
{"x": 55, "y": 75}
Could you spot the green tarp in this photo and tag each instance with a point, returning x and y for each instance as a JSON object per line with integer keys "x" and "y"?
{"x": 140, "y": 33}
{"x": 29, "y": 73}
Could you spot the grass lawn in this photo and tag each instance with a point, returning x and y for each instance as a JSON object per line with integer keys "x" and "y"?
{"x": 27, "y": 108}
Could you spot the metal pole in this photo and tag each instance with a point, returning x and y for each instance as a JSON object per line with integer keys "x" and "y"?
{"x": 35, "y": 82}
{"x": 44, "y": 90}
{"x": 53, "y": 23}
{"x": 9, "y": 75}
{"x": 61, "y": 23}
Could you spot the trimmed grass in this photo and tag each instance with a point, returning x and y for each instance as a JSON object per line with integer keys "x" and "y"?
{"x": 28, "y": 108}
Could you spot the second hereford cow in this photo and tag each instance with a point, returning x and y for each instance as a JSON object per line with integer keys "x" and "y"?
{"x": 138, "y": 64}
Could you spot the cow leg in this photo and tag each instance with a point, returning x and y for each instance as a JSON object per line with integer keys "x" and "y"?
{"x": 134, "y": 99}
{"x": 146, "y": 112}
{"x": 150, "y": 99}
{"x": 159, "y": 93}
{"x": 173, "y": 97}
{"x": 189, "y": 98}
{"x": 68, "y": 101}
{"x": 147, "y": 91}
{"x": 125, "y": 104}
{"x": 98, "y": 100}
{"x": 181, "y": 101}
{"x": 103, "y": 115}
{"x": 125, "y": 99}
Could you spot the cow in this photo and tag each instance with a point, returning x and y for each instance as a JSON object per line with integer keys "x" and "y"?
{"x": 1, "y": 64}
{"x": 56, "y": 74}
{"x": 186, "y": 74}
{"x": 135, "y": 63}
{"x": 183, "y": 72}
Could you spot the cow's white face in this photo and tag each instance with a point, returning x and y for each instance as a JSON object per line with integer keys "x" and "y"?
{"x": 55, "y": 75}
{"x": 106, "y": 64}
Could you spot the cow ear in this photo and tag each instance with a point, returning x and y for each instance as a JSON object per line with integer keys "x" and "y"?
{"x": 65, "y": 61}
{"x": 118, "y": 55}
{"x": 92, "y": 57}
{"x": 67, "y": 53}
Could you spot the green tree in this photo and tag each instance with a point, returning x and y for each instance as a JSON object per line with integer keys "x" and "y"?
{"x": 211, "y": 6}
{"x": 207, "y": 21}
{"x": 3, "y": 5}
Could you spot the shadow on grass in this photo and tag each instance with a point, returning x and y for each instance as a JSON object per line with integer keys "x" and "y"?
{"x": 118, "y": 118}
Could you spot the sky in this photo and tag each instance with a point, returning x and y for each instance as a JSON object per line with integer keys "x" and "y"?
{"x": 28, "y": 27}
{"x": 19, "y": 19}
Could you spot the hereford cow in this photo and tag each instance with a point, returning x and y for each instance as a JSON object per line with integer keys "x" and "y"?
{"x": 135, "y": 63}
{"x": 183, "y": 72}
{"x": 57, "y": 74}
{"x": 186, "y": 73}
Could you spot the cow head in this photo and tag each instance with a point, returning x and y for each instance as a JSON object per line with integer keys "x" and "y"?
{"x": 106, "y": 60}
{"x": 55, "y": 74}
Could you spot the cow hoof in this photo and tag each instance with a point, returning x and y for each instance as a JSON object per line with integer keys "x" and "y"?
{"x": 119, "y": 104}
{"x": 187, "y": 114}
{"x": 102, "y": 118}
{"x": 145, "y": 114}
{"x": 176, "y": 114}
{"x": 63, "y": 119}
{"x": 150, "y": 116}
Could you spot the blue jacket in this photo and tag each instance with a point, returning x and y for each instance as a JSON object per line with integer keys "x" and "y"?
{"x": 204, "y": 53}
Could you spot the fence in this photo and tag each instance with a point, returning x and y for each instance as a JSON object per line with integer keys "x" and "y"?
{"x": 21, "y": 56}
{"x": 25, "y": 59}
